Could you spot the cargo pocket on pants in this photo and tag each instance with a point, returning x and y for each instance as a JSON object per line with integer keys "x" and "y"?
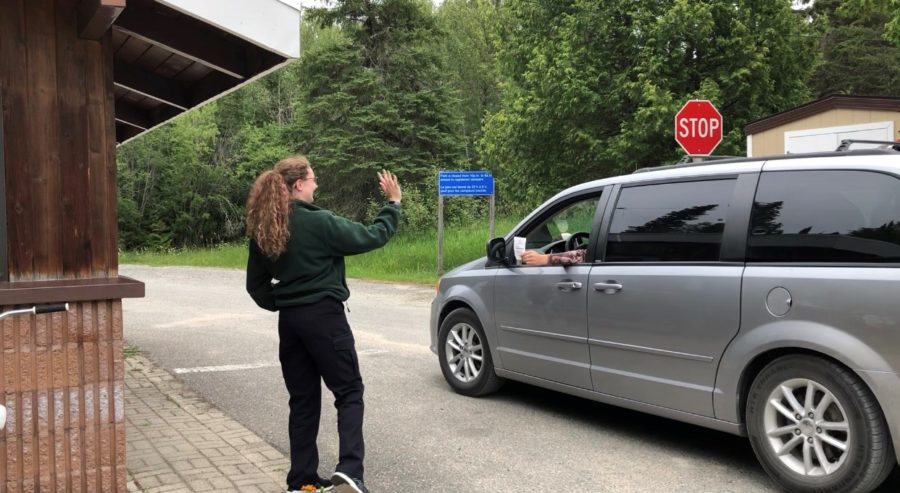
{"x": 343, "y": 343}
{"x": 345, "y": 352}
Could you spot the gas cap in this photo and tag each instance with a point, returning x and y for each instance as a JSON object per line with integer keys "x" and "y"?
{"x": 778, "y": 302}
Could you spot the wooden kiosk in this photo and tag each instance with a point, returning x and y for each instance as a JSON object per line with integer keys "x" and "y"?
{"x": 76, "y": 78}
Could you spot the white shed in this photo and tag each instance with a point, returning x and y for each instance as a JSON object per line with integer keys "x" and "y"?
{"x": 822, "y": 124}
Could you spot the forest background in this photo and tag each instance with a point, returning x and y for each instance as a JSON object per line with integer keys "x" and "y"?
{"x": 543, "y": 93}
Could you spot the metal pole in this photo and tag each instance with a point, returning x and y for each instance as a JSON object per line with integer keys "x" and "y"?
{"x": 491, "y": 236}
{"x": 440, "y": 241}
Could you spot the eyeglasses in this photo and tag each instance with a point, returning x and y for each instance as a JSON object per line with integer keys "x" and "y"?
{"x": 313, "y": 178}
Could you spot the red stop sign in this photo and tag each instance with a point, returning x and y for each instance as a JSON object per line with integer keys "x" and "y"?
{"x": 698, "y": 127}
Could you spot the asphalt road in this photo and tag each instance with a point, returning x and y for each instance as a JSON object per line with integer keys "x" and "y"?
{"x": 421, "y": 436}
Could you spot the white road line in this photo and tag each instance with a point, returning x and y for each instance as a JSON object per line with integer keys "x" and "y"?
{"x": 207, "y": 369}
{"x": 205, "y": 320}
{"x": 253, "y": 366}
{"x": 371, "y": 351}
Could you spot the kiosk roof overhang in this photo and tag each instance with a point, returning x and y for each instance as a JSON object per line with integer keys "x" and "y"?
{"x": 173, "y": 55}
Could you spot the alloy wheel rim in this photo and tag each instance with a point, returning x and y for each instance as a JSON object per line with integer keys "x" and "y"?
{"x": 806, "y": 427}
{"x": 464, "y": 352}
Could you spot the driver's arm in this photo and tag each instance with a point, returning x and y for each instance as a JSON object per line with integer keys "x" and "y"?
{"x": 565, "y": 258}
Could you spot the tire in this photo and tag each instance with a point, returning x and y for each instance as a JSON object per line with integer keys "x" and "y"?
{"x": 465, "y": 356}
{"x": 844, "y": 414}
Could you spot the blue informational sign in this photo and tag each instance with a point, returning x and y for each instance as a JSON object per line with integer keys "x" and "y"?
{"x": 465, "y": 183}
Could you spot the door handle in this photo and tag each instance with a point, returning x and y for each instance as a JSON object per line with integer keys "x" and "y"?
{"x": 609, "y": 287}
{"x": 568, "y": 286}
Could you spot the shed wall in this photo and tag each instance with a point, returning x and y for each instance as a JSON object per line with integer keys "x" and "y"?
{"x": 771, "y": 141}
{"x": 61, "y": 374}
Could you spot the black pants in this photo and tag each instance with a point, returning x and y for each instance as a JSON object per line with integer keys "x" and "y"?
{"x": 317, "y": 344}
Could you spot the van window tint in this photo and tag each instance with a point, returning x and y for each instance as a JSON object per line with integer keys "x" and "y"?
{"x": 671, "y": 222}
{"x": 825, "y": 216}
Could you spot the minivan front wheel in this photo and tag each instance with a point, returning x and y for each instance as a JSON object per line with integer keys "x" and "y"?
{"x": 465, "y": 356}
{"x": 816, "y": 427}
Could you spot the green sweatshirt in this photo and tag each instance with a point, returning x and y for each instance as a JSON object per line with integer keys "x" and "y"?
{"x": 312, "y": 267}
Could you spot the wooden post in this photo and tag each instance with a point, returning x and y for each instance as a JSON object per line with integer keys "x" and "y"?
{"x": 4, "y": 273}
{"x": 63, "y": 377}
{"x": 491, "y": 235}
{"x": 440, "y": 239}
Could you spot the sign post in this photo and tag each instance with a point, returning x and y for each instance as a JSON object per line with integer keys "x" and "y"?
{"x": 698, "y": 127}
{"x": 461, "y": 183}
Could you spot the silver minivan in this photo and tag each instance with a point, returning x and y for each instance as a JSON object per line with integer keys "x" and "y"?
{"x": 756, "y": 296}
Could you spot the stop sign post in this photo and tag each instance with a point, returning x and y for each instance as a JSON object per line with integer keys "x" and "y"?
{"x": 698, "y": 127}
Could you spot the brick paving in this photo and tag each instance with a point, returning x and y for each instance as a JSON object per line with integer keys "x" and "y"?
{"x": 177, "y": 442}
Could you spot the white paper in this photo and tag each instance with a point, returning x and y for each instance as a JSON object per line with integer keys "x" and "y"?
{"x": 518, "y": 248}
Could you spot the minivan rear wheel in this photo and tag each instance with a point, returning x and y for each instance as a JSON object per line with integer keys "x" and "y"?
{"x": 465, "y": 356}
{"x": 816, "y": 427}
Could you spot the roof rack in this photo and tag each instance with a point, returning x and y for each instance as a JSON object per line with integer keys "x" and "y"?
{"x": 884, "y": 144}
{"x": 688, "y": 161}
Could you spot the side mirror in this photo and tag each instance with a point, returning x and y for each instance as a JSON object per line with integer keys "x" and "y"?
{"x": 496, "y": 252}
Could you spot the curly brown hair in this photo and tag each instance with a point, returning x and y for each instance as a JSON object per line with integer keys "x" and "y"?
{"x": 268, "y": 205}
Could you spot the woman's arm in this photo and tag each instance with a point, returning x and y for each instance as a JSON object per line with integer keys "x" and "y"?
{"x": 259, "y": 280}
{"x": 346, "y": 237}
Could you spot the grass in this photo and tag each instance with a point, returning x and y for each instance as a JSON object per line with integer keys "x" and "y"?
{"x": 221, "y": 256}
{"x": 408, "y": 257}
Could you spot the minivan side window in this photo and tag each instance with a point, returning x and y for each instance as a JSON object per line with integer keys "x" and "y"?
{"x": 549, "y": 236}
{"x": 670, "y": 222}
{"x": 825, "y": 216}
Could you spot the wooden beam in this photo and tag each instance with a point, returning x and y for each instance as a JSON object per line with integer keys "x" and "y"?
{"x": 148, "y": 84}
{"x": 70, "y": 290}
{"x": 210, "y": 86}
{"x": 185, "y": 36}
{"x": 131, "y": 120}
{"x": 129, "y": 114}
{"x": 125, "y": 132}
{"x": 163, "y": 113}
{"x": 96, "y": 16}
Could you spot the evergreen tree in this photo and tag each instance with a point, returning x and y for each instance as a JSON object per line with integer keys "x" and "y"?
{"x": 170, "y": 193}
{"x": 591, "y": 88}
{"x": 376, "y": 98}
{"x": 859, "y": 58}
{"x": 469, "y": 48}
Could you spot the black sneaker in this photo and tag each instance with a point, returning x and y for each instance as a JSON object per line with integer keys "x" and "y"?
{"x": 322, "y": 485}
{"x": 345, "y": 484}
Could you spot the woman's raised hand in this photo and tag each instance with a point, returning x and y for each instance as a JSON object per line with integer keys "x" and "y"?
{"x": 389, "y": 186}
